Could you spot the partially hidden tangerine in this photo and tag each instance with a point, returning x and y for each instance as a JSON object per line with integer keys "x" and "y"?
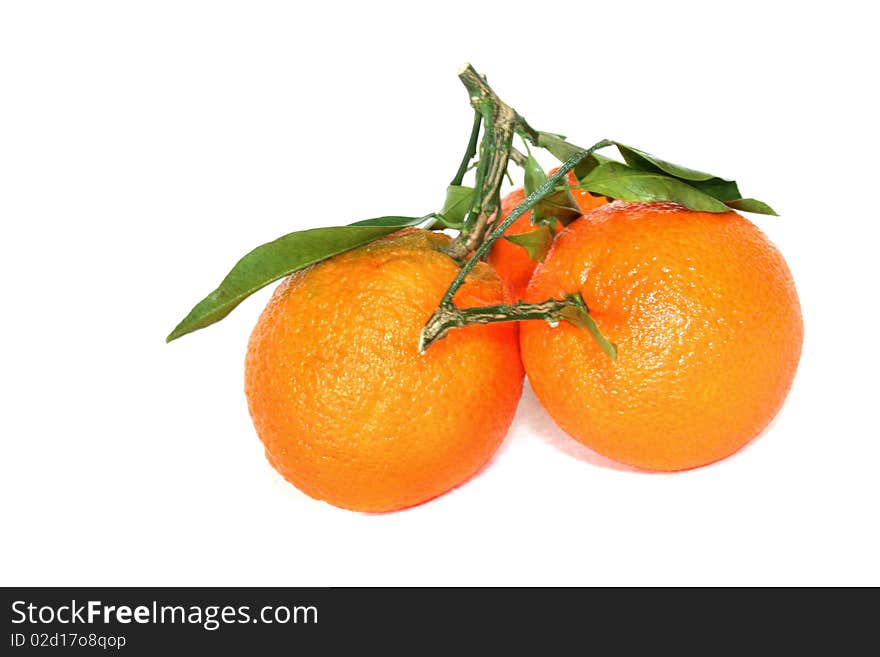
{"x": 511, "y": 261}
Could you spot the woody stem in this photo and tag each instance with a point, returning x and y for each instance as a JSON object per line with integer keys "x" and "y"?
{"x": 543, "y": 189}
{"x": 450, "y": 317}
{"x": 499, "y": 122}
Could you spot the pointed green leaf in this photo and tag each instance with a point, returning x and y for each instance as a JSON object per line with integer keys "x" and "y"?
{"x": 720, "y": 188}
{"x": 533, "y": 174}
{"x": 556, "y": 206}
{"x": 563, "y": 150}
{"x": 724, "y": 190}
{"x": 457, "y": 205}
{"x": 642, "y": 160}
{"x": 536, "y": 242}
{"x": 620, "y": 181}
{"x": 578, "y": 314}
{"x": 558, "y": 147}
{"x": 751, "y": 205}
{"x": 387, "y": 222}
{"x": 274, "y": 260}
{"x": 559, "y": 206}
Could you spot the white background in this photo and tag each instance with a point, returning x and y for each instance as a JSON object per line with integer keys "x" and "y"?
{"x": 145, "y": 146}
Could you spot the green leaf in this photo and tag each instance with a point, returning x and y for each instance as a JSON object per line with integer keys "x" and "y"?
{"x": 620, "y": 181}
{"x": 642, "y": 160}
{"x": 578, "y": 314}
{"x": 536, "y": 242}
{"x": 387, "y": 222}
{"x": 694, "y": 189}
{"x": 457, "y": 205}
{"x": 751, "y": 205}
{"x": 562, "y": 150}
{"x": 534, "y": 174}
{"x": 269, "y": 262}
{"x": 558, "y": 147}
{"x": 559, "y": 206}
{"x": 556, "y": 206}
{"x": 720, "y": 188}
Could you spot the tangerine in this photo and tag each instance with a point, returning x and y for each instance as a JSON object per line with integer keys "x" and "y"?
{"x": 707, "y": 323}
{"x": 348, "y": 409}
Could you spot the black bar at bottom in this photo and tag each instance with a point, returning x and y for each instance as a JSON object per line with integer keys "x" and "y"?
{"x": 264, "y": 621}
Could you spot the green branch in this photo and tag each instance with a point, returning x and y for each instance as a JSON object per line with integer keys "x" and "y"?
{"x": 571, "y": 309}
{"x": 470, "y": 151}
{"x": 499, "y": 123}
{"x": 543, "y": 190}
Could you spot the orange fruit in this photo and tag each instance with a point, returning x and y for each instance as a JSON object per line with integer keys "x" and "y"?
{"x": 348, "y": 409}
{"x": 511, "y": 261}
{"x": 706, "y": 319}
